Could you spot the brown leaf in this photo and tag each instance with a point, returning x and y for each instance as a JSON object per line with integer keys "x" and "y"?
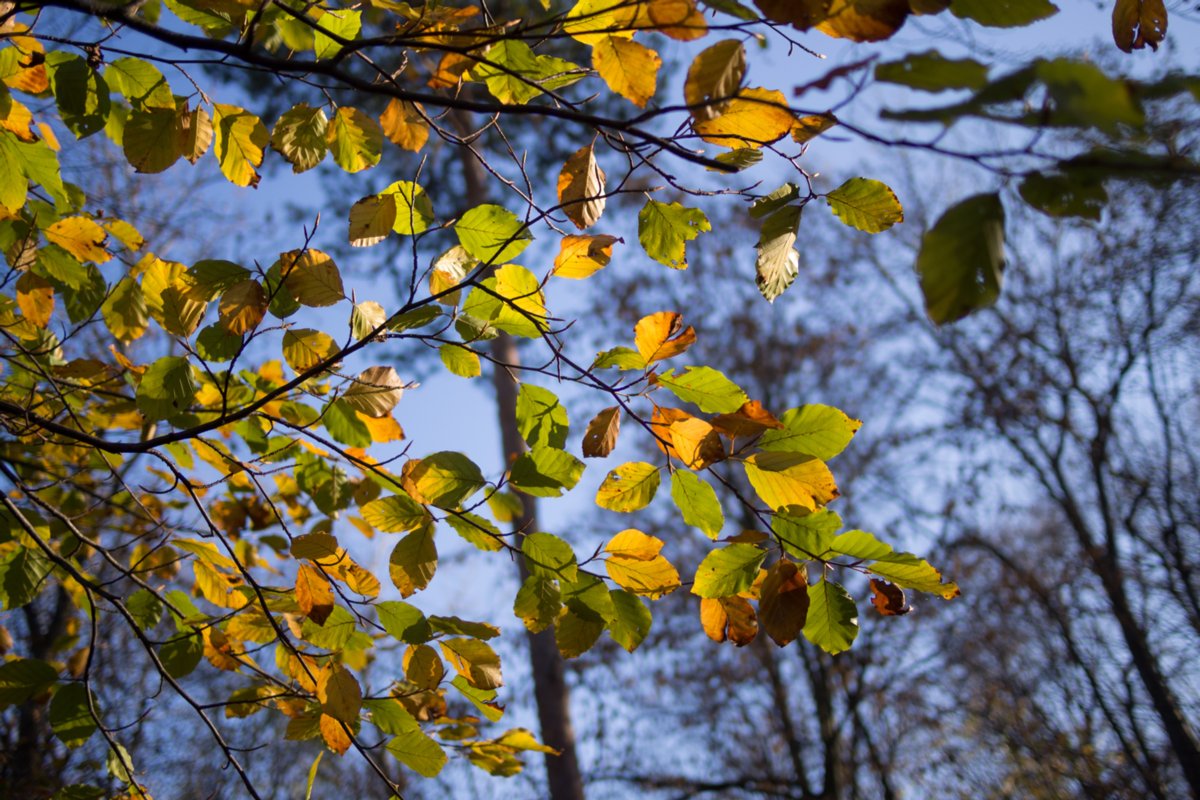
{"x": 783, "y": 602}
{"x": 581, "y": 188}
{"x": 728, "y": 618}
{"x": 602, "y": 432}
{"x": 888, "y": 599}
{"x": 749, "y": 420}
{"x": 1139, "y": 23}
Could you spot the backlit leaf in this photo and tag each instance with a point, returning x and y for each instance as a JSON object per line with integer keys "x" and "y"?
{"x": 239, "y": 141}
{"x": 167, "y": 388}
{"x": 961, "y": 261}
{"x": 581, "y": 188}
{"x": 355, "y": 139}
{"x": 541, "y": 418}
{"x": 714, "y": 78}
{"x": 753, "y": 118}
{"x": 784, "y": 480}
{"x": 375, "y": 391}
{"x": 664, "y": 229}
{"x": 582, "y": 256}
{"x": 783, "y": 602}
{"x": 492, "y": 234}
{"x": 300, "y": 136}
{"x": 866, "y": 204}
{"x": 729, "y": 619}
{"x": 404, "y": 125}
{"x": 728, "y": 571}
{"x": 662, "y": 335}
{"x": 629, "y": 487}
{"x": 817, "y": 430}
{"x": 832, "y": 622}
{"x": 709, "y": 389}
{"x": 697, "y": 502}
{"x": 413, "y": 561}
{"x": 630, "y": 69}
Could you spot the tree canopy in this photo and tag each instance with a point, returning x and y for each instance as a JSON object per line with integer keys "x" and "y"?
{"x": 193, "y": 452}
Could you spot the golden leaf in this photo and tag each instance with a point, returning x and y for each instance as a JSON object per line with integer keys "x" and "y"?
{"x": 630, "y": 69}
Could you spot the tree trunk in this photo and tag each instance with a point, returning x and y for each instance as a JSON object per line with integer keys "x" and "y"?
{"x": 549, "y": 686}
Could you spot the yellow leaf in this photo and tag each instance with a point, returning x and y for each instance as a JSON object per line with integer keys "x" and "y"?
{"x": 423, "y": 666}
{"x": 582, "y": 256}
{"x": 382, "y": 429}
{"x": 696, "y": 442}
{"x": 242, "y": 307}
{"x": 581, "y": 188}
{"x": 375, "y": 391}
{"x": 662, "y": 335}
{"x": 32, "y": 77}
{"x": 404, "y": 125}
{"x": 35, "y": 296}
{"x": 195, "y": 133}
{"x": 371, "y": 219}
{"x": 865, "y": 20}
{"x": 19, "y": 121}
{"x": 632, "y": 543}
{"x": 304, "y": 348}
{"x": 601, "y": 435}
{"x": 81, "y": 237}
{"x": 334, "y": 734}
{"x": 755, "y": 117}
{"x": 629, "y": 487}
{"x": 784, "y": 479}
{"x": 810, "y": 127}
{"x": 239, "y": 141}
{"x": 679, "y": 19}
{"x": 312, "y": 277}
{"x": 592, "y": 21}
{"x": 629, "y": 69}
{"x": 314, "y": 595}
{"x": 218, "y": 587}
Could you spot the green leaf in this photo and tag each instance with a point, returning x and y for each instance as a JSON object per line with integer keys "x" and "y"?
{"x": 727, "y": 571}
{"x": 510, "y": 300}
{"x": 344, "y": 425}
{"x": 80, "y": 92}
{"x": 538, "y": 603}
{"x": 404, "y": 622}
{"x": 413, "y": 748}
{"x": 182, "y": 654}
{"x": 446, "y": 479}
{"x": 355, "y": 139}
{"x": 623, "y": 358}
{"x": 70, "y": 715}
{"x": 832, "y": 622}
{"x": 664, "y": 229}
{"x": 125, "y": 310}
{"x": 860, "y": 545}
{"x": 1004, "y": 13}
{"x": 817, "y": 430}
{"x": 344, "y": 24}
{"x": 541, "y": 418}
{"x": 932, "y": 72}
{"x": 1064, "y": 195}
{"x": 1082, "y": 95}
{"x": 492, "y": 234}
{"x": 22, "y": 678}
{"x": 866, "y": 204}
{"x": 414, "y": 210}
{"x": 629, "y": 487}
{"x": 911, "y": 572}
{"x": 477, "y": 531}
{"x": 961, "y": 261}
{"x": 549, "y": 556}
{"x": 778, "y": 261}
{"x": 515, "y": 74}
{"x": 22, "y": 575}
{"x": 482, "y": 699}
{"x": 576, "y": 634}
{"x": 631, "y": 620}
{"x": 705, "y": 387}
{"x": 546, "y": 472}
{"x": 300, "y": 136}
{"x": 413, "y": 561}
{"x": 697, "y": 502}
{"x": 151, "y": 139}
{"x": 460, "y": 360}
{"x": 397, "y": 513}
{"x": 141, "y": 83}
{"x": 807, "y": 537}
{"x": 167, "y": 389}
{"x": 215, "y": 343}
{"x": 145, "y": 608}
